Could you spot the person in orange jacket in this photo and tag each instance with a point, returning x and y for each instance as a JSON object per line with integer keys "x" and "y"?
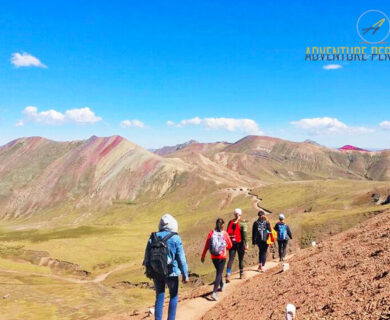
{"x": 218, "y": 242}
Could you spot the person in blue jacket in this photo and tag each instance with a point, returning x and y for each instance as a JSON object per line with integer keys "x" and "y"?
{"x": 284, "y": 233}
{"x": 168, "y": 225}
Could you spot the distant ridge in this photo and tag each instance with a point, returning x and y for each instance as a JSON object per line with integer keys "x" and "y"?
{"x": 312, "y": 142}
{"x": 171, "y": 149}
{"x": 38, "y": 174}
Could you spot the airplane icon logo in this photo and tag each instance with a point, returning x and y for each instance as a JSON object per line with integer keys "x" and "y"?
{"x": 375, "y": 26}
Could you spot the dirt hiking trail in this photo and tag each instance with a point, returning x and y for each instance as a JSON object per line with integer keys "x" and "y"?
{"x": 97, "y": 279}
{"x": 197, "y": 303}
{"x": 233, "y": 192}
{"x": 197, "y": 307}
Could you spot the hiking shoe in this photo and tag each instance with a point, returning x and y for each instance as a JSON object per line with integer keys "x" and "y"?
{"x": 242, "y": 276}
{"x": 214, "y": 296}
{"x": 260, "y": 268}
{"x": 227, "y": 279}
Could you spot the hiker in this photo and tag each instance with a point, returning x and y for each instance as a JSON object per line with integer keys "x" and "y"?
{"x": 284, "y": 233}
{"x": 165, "y": 261}
{"x": 260, "y": 231}
{"x": 218, "y": 241}
{"x": 237, "y": 231}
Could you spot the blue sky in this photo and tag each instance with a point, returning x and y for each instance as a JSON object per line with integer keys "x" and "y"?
{"x": 205, "y": 66}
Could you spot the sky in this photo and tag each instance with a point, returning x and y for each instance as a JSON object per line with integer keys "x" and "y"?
{"x": 164, "y": 72}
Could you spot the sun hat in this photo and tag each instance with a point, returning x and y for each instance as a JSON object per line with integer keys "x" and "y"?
{"x": 238, "y": 211}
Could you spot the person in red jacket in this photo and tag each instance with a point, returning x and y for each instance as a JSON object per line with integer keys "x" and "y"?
{"x": 218, "y": 242}
{"x": 237, "y": 230}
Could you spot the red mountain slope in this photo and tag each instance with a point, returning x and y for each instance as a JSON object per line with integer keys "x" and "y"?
{"x": 37, "y": 173}
{"x": 352, "y": 148}
{"x": 345, "y": 277}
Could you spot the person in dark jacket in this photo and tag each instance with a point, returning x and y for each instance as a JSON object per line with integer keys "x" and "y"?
{"x": 237, "y": 230}
{"x": 284, "y": 233}
{"x": 260, "y": 231}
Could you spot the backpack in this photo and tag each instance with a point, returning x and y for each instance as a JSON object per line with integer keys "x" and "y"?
{"x": 159, "y": 264}
{"x": 272, "y": 237}
{"x": 282, "y": 234}
{"x": 262, "y": 232}
{"x": 217, "y": 243}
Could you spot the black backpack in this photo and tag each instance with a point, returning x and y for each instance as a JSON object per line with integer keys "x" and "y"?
{"x": 157, "y": 266}
{"x": 262, "y": 232}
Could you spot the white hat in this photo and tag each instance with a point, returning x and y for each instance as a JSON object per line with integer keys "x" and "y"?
{"x": 238, "y": 211}
{"x": 281, "y": 216}
{"x": 168, "y": 223}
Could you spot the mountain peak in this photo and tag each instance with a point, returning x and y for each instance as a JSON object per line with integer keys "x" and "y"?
{"x": 27, "y": 141}
{"x": 349, "y": 147}
{"x": 312, "y": 142}
{"x": 114, "y": 137}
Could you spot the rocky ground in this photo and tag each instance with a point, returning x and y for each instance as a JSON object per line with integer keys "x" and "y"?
{"x": 345, "y": 277}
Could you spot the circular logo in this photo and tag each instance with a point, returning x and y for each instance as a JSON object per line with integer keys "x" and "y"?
{"x": 373, "y": 26}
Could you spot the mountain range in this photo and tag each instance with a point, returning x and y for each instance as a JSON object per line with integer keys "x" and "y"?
{"x": 37, "y": 173}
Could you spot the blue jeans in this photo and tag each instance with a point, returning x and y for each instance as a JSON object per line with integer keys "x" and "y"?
{"x": 173, "y": 285}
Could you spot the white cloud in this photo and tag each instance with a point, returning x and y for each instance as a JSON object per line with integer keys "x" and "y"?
{"x": 25, "y": 59}
{"x": 31, "y": 114}
{"x": 53, "y": 117}
{"x": 248, "y": 126}
{"x": 327, "y": 125}
{"x": 385, "y": 125}
{"x": 132, "y": 123}
{"x": 332, "y": 66}
{"x": 170, "y": 123}
{"x": 194, "y": 121}
{"x": 82, "y": 115}
{"x": 20, "y": 123}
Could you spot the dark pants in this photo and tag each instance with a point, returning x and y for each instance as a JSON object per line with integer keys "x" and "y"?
{"x": 240, "y": 249}
{"x": 173, "y": 285}
{"x": 219, "y": 265}
{"x": 282, "y": 245}
{"x": 263, "y": 247}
